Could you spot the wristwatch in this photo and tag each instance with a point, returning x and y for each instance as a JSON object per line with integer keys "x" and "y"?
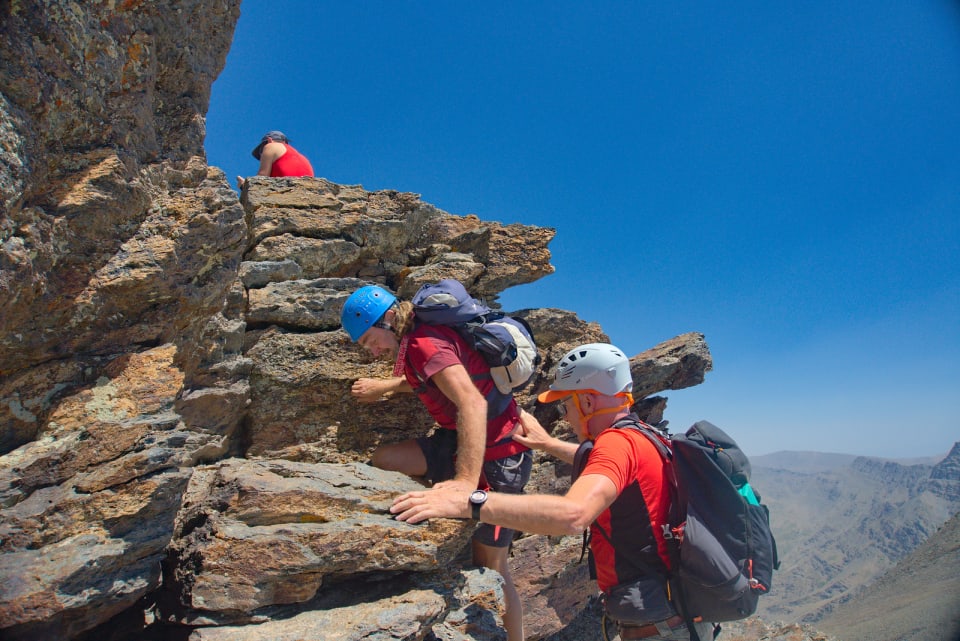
{"x": 477, "y": 499}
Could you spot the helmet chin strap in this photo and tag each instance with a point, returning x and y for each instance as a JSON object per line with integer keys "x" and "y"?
{"x": 586, "y": 418}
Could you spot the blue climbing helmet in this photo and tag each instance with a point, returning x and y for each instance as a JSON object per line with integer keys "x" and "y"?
{"x": 364, "y": 308}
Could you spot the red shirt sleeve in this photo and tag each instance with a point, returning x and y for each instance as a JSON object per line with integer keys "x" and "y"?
{"x": 624, "y": 456}
{"x": 428, "y": 355}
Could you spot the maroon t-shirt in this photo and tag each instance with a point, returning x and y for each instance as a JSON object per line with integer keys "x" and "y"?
{"x": 433, "y": 348}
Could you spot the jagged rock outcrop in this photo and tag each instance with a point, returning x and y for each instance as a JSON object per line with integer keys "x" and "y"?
{"x": 115, "y": 236}
{"x": 944, "y": 480}
{"x": 459, "y": 606}
{"x": 117, "y": 243}
{"x": 178, "y": 443}
{"x": 312, "y": 244}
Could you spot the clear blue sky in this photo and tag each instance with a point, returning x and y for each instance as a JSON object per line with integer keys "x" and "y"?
{"x": 783, "y": 177}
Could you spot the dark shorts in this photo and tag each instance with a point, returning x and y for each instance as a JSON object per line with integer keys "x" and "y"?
{"x": 509, "y": 475}
{"x": 439, "y": 450}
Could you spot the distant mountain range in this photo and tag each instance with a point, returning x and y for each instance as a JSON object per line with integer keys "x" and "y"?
{"x": 842, "y": 522}
{"x": 809, "y": 462}
{"x": 918, "y": 599}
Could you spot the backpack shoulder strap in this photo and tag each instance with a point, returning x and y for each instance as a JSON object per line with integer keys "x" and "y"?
{"x": 497, "y": 401}
{"x": 630, "y": 422}
{"x": 580, "y": 462}
{"x": 659, "y": 442}
{"x": 580, "y": 459}
{"x": 662, "y": 444}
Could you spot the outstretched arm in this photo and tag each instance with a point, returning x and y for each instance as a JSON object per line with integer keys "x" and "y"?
{"x": 534, "y": 513}
{"x": 370, "y": 390}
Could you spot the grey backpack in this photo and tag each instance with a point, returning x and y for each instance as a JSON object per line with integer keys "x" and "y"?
{"x": 506, "y": 343}
{"x": 722, "y": 550}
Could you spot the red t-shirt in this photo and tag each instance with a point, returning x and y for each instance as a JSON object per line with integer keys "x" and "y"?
{"x": 635, "y": 519}
{"x": 432, "y": 348}
{"x": 292, "y": 163}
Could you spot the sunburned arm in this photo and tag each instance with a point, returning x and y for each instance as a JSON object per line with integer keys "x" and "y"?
{"x": 369, "y": 390}
{"x": 456, "y": 385}
{"x": 268, "y": 155}
{"x": 534, "y": 513}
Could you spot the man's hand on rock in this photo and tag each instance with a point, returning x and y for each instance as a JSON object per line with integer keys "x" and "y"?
{"x": 440, "y": 502}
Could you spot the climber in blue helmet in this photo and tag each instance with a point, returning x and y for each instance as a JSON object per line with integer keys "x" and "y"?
{"x": 471, "y": 451}
{"x": 365, "y": 309}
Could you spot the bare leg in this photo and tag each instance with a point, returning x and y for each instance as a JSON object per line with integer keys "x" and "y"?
{"x": 405, "y": 457}
{"x": 497, "y": 559}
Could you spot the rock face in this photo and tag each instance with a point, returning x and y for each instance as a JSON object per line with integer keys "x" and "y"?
{"x": 179, "y": 451}
{"x": 312, "y": 244}
{"x": 253, "y": 534}
{"x": 115, "y": 236}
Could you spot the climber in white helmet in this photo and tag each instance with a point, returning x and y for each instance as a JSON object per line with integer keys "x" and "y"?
{"x": 620, "y": 493}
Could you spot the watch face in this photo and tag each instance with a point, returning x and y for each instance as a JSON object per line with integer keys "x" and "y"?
{"x": 478, "y": 496}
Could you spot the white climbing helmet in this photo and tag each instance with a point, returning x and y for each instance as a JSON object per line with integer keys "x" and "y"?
{"x": 600, "y": 367}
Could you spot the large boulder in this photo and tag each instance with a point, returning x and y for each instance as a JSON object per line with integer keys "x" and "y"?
{"x": 253, "y": 534}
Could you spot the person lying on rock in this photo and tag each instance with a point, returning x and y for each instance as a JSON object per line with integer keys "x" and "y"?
{"x": 621, "y": 494}
{"x": 278, "y": 158}
{"x": 469, "y": 450}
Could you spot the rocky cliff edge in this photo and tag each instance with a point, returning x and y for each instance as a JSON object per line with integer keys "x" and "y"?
{"x": 179, "y": 453}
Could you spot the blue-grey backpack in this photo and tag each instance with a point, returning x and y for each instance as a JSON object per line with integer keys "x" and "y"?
{"x": 506, "y": 343}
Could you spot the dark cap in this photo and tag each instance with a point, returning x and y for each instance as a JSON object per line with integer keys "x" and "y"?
{"x": 275, "y": 136}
